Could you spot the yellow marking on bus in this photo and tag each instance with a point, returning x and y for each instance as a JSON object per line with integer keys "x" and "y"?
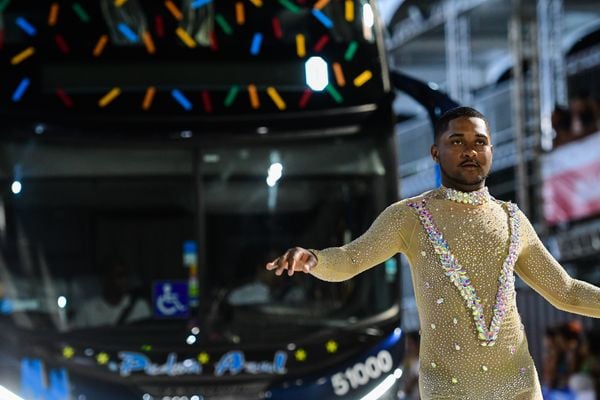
{"x": 300, "y": 45}
{"x": 22, "y": 56}
{"x": 362, "y": 78}
{"x": 185, "y": 37}
{"x": 349, "y": 10}
{"x": 109, "y": 97}
{"x": 272, "y": 92}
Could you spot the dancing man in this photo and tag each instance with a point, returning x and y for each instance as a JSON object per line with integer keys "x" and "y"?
{"x": 464, "y": 247}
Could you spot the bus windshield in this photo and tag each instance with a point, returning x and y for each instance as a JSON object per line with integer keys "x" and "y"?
{"x": 91, "y": 234}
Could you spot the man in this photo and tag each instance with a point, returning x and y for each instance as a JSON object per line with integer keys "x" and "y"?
{"x": 117, "y": 305}
{"x": 463, "y": 246}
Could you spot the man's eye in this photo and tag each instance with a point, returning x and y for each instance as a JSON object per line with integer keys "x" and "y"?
{"x": 456, "y": 141}
{"x": 481, "y": 142}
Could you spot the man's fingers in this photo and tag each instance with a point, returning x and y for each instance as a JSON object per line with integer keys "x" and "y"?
{"x": 272, "y": 265}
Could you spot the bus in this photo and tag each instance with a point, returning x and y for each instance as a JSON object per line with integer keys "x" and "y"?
{"x": 155, "y": 156}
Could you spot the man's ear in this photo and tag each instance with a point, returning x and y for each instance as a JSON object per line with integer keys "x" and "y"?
{"x": 435, "y": 154}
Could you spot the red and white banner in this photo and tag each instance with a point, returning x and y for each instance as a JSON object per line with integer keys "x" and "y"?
{"x": 571, "y": 176}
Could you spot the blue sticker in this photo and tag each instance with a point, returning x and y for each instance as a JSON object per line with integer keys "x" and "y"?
{"x": 170, "y": 299}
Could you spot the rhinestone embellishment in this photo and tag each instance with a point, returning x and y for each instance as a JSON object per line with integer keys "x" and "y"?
{"x": 475, "y": 198}
{"x": 458, "y": 275}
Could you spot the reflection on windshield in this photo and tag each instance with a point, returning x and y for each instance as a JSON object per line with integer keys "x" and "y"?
{"x": 96, "y": 236}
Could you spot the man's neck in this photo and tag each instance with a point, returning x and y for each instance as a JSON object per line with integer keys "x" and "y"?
{"x": 463, "y": 187}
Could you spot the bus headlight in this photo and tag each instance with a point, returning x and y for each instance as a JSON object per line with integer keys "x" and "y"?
{"x": 317, "y": 76}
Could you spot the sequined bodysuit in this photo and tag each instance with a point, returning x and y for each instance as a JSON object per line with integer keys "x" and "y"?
{"x": 463, "y": 249}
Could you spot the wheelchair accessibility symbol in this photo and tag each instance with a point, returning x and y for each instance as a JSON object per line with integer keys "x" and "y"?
{"x": 170, "y": 299}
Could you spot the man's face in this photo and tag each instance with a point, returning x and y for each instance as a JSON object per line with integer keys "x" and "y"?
{"x": 464, "y": 152}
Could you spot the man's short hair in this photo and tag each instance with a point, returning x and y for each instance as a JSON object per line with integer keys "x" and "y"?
{"x": 442, "y": 123}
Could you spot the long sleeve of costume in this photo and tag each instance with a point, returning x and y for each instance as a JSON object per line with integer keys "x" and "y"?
{"x": 545, "y": 275}
{"x": 388, "y": 235}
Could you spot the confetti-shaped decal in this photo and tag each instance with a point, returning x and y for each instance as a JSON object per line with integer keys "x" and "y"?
{"x": 81, "y": 13}
{"x": 256, "y": 43}
{"x": 253, "y": 95}
{"x": 334, "y": 93}
{"x": 274, "y": 95}
{"x": 53, "y": 14}
{"x": 148, "y": 42}
{"x": 349, "y": 10}
{"x": 4, "y": 4}
{"x": 351, "y": 51}
{"x": 319, "y": 5}
{"x": 61, "y": 44}
{"x": 20, "y": 90}
{"x": 206, "y": 101}
{"x": 100, "y": 45}
{"x": 338, "y": 72}
{"x": 174, "y": 10}
{"x": 240, "y": 14}
{"x": 159, "y": 26}
{"x": 128, "y": 32}
{"x": 300, "y": 45}
{"x": 200, "y": 3}
{"x": 305, "y": 97}
{"x": 109, "y": 97}
{"x": 214, "y": 43}
{"x": 324, "y": 19}
{"x": 321, "y": 43}
{"x": 26, "y": 26}
{"x": 290, "y": 6}
{"x": 277, "y": 28}
{"x": 231, "y": 95}
{"x": 64, "y": 97}
{"x": 148, "y": 98}
{"x": 223, "y": 24}
{"x": 22, "y": 56}
{"x": 363, "y": 78}
{"x": 257, "y": 3}
{"x": 185, "y": 37}
{"x": 181, "y": 99}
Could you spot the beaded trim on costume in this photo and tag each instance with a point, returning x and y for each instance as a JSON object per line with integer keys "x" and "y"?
{"x": 459, "y": 277}
{"x": 477, "y": 197}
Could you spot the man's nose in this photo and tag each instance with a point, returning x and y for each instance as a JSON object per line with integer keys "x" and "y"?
{"x": 469, "y": 152}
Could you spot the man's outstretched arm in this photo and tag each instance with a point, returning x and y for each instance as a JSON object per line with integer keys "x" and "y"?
{"x": 545, "y": 275}
{"x": 389, "y": 234}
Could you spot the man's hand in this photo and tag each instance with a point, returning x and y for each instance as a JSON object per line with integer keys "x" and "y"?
{"x": 295, "y": 259}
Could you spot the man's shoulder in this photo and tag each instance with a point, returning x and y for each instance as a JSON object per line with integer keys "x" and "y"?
{"x": 407, "y": 202}
{"x": 404, "y": 206}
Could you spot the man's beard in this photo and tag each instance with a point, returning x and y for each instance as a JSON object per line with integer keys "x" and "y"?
{"x": 460, "y": 180}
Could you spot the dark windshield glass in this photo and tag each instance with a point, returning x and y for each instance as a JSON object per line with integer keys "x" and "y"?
{"x": 94, "y": 235}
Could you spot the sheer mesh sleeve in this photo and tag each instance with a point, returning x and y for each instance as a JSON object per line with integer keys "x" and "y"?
{"x": 545, "y": 275}
{"x": 388, "y": 235}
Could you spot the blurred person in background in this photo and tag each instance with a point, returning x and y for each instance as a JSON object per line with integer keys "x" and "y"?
{"x": 464, "y": 247}
{"x": 118, "y": 302}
